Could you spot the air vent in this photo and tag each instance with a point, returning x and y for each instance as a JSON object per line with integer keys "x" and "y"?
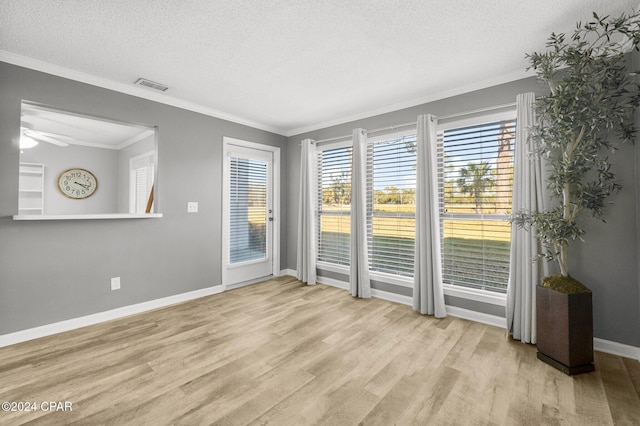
{"x": 151, "y": 84}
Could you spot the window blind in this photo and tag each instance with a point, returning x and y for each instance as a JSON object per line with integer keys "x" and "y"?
{"x": 475, "y": 177}
{"x": 248, "y": 209}
{"x": 391, "y": 196}
{"x": 142, "y": 189}
{"x": 334, "y": 205}
{"x": 141, "y": 181}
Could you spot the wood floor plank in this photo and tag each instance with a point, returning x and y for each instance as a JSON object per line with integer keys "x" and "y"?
{"x": 591, "y": 399}
{"x": 433, "y": 386}
{"x": 618, "y": 386}
{"x": 633, "y": 369}
{"x": 284, "y": 353}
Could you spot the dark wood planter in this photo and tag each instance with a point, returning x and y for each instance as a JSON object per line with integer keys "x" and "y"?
{"x": 565, "y": 330}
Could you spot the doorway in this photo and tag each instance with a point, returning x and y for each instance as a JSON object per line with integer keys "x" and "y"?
{"x": 250, "y": 206}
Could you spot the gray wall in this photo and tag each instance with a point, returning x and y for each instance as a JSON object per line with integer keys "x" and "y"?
{"x": 103, "y": 163}
{"x": 607, "y": 263}
{"x": 52, "y": 271}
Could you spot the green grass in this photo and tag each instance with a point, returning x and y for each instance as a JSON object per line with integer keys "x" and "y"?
{"x": 477, "y": 263}
{"x": 334, "y": 248}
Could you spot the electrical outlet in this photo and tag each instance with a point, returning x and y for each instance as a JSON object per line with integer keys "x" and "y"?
{"x": 192, "y": 207}
{"x": 115, "y": 283}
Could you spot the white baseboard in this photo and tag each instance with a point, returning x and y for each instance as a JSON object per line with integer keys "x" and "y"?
{"x": 379, "y": 294}
{"x": 407, "y": 300}
{"x": 291, "y": 272}
{"x": 333, "y": 283}
{"x": 480, "y": 317}
{"x": 246, "y": 283}
{"x": 72, "y": 324}
{"x": 615, "y": 348}
{"x": 392, "y": 297}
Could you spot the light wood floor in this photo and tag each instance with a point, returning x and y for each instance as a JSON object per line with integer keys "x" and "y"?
{"x": 282, "y": 353}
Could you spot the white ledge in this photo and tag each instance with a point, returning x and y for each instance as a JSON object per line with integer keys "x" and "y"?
{"x": 484, "y": 296}
{"x": 87, "y": 216}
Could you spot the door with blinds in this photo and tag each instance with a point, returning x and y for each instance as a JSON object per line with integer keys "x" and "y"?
{"x": 248, "y": 215}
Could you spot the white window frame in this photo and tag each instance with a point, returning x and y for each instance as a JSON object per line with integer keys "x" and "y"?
{"x": 398, "y": 280}
{"x": 328, "y": 266}
{"x": 478, "y": 295}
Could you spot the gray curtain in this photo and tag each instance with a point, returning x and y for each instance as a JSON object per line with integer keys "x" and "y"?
{"x": 428, "y": 294}
{"x": 528, "y": 195}
{"x": 306, "y": 260}
{"x": 359, "y": 282}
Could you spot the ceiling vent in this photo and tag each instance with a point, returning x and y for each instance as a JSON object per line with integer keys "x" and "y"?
{"x": 151, "y": 84}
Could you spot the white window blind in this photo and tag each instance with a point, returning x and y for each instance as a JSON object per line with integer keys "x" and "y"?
{"x": 141, "y": 181}
{"x": 334, "y": 205}
{"x": 475, "y": 176}
{"x": 142, "y": 188}
{"x": 391, "y": 196}
{"x": 248, "y": 209}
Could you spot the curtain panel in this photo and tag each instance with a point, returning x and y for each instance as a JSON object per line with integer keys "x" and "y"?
{"x": 428, "y": 292}
{"x": 306, "y": 244}
{"x": 359, "y": 281}
{"x": 525, "y": 271}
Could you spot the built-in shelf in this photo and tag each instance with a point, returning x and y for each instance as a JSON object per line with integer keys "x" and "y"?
{"x": 87, "y": 216}
{"x": 31, "y": 189}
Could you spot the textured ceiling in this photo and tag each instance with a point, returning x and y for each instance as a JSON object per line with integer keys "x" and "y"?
{"x": 292, "y": 65}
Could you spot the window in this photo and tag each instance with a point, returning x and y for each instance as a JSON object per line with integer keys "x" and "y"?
{"x": 334, "y": 205}
{"x": 475, "y": 177}
{"x": 391, "y": 220}
{"x": 391, "y": 184}
{"x": 248, "y": 195}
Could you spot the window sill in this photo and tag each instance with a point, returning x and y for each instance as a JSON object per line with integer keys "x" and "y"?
{"x": 330, "y": 267}
{"x": 375, "y": 276}
{"x": 87, "y": 216}
{"x": 392, "y": 279}
{"x": 483, "y": 296}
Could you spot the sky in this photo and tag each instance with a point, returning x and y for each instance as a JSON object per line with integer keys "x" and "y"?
{"x": 399, "y": 169}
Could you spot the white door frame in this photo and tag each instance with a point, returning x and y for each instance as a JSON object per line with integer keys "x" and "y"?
{"x": 227, "y": 146}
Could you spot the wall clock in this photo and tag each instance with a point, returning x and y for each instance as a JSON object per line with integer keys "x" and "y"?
{"x": 77, "y": 183}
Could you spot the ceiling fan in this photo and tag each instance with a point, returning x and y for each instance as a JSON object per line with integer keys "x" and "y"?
{"x": 29, "y": 137}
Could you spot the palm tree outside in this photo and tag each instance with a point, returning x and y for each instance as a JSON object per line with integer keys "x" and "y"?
{"x": 476, "y": 179}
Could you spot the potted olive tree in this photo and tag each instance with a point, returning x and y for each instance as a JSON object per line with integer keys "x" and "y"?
{"x": 588, "y": 113}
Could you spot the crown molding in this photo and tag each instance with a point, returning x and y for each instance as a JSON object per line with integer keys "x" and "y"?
{"x": 137, "y": 91}
{"x": 495, "y": 81}
{"x": 144, "y": 93}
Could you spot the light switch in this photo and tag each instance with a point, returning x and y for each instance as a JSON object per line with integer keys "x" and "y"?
{"x": 192, "y": 207}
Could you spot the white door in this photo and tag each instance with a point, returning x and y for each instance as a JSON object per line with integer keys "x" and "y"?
{"x": 249, "y": 215}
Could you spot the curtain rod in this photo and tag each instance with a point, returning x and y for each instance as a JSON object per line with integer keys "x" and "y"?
{"x": 395, "y": 126}
{"x": 414, "y": 123}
